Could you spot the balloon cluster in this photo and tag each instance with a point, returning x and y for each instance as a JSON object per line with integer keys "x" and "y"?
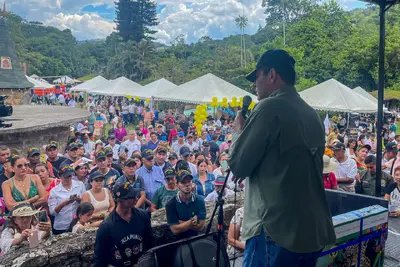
{"x": 147, "y": 100}
{"x": 129, "y": 97}
{"x": 234, "y": 102}
{"x": 200, "y": 115}
{"x": 214, "y": 103}
{"x": 224, "y": 103}
{"x": 137, "y": 99}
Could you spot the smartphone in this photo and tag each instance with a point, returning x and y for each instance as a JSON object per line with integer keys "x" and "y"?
{"x": 43, "y": 216}
{"x": 34, "y": 239}
{"x": 206, "y": 151}
{"x": 224, "y": 165}
{"x": 73, "y": 196}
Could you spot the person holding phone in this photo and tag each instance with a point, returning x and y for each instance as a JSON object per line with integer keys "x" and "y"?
{"x": 25, "y": 225}
{"x": 392, "y": 194}
{"x": 64, "y": 200}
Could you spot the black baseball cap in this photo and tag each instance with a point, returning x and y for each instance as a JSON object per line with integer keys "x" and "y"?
{"x": 100, "y": 155}
{"x": 52, "y": 144}
{"x": 161, "y": 149}
{"x": 391, "y": 147}
{"x": 111, "y": 137}
{"x": 173, "y": 155}
{"x": 147, "y": 154}
{"x": 67, "y": 171}
{"x": 96, "y": 175}
{"x": 338, "y": 146}
{"x": 184, "y": 151}
{"x": 108, "y": 151}
{"x": 124, "y": 190}
{"x": 184, "y": 175}
{"x": 169, "y": 173}
{"x": 278, "y": 59}
{"x": 368, "y": 147}
{"x": 129, "y": 161}
{"x": 72, "y": 146}
{"x": 33, "y": 151}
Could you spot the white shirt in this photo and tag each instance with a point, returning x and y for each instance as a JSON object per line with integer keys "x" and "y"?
{"x": 125, "y": 109}
{"x": 111, "y": 110}
{"x": 59, "y": 194}
{"x": 213, "y": 196}
{"x": 192, "y": 168}
{"x": 88, "y": 105}
{"x": 346, "y": 169}
{"x": 72, "y": 103}
{"x": 132, "y": 146}
{"x": 61, "y": 99}
{"x": 132, "y": 108}
{"x": 176, "y": 147}
{"x": 89, "y": 146}
{"x": 192, "y": 146}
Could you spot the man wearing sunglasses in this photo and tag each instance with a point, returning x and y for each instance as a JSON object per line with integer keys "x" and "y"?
{"x": 153, "y": 176}
{"x": 126, "y": 234}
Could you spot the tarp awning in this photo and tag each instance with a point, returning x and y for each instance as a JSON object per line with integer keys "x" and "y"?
{"x": 364, "y": 93}
{"x": 335, "y": 96}
{"x": 118, "y": 87}
{"x": 37, "y": 84}
{"x": 90, "y": 84}
{"x": 155, "y": 88}
{"x": 203, "y": 89}
{"x": 65, "y": 80}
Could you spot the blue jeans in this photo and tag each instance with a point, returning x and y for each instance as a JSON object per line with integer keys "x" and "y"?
{"x": 262, "y": 251}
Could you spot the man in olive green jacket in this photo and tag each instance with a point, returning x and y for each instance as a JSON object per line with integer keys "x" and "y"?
{"x": 279, "y": 148}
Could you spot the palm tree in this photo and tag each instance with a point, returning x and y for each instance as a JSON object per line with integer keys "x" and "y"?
{"x": 241, "y": 22}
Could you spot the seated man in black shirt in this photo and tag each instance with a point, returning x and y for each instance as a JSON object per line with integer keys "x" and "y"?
{"x": 186, "y": 213}
{"x": 126, "y": 233}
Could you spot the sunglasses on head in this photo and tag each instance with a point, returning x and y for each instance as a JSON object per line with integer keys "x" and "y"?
{"x": 19, "y": 166}
{"x": 150, "y": 158}
{"x": 110, "y": 156}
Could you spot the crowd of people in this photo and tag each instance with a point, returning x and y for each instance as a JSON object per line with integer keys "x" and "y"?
{"x": 163, "y": 163}
{"x": 350, "y": 162}
{"x": 116, "y": 179}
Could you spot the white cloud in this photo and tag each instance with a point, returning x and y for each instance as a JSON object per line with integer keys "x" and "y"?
{"x": 191, "y": 18}
{"x": 214, "y": 18}
{"x": 87, "y": 26}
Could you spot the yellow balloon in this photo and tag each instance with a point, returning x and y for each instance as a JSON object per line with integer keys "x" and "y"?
{"x": 224, "y": 99}
{"x": 137, "y": 98}
{"x": 129, "y": 96}
{"x": 215, "y": 99}
{"x": 252, "y": 105}
{"x": 147, "y": 100}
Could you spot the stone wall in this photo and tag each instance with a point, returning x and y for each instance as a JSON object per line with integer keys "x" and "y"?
{"x": 20, "y": 142}
{"x": 77, "y": 250}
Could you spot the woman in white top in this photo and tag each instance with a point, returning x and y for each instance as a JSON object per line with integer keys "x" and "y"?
{"x": 23, "y": 226}
{"x": 351, "y": 148}
{"x": 99, "y": 196}
{"x": 235, "y": 243}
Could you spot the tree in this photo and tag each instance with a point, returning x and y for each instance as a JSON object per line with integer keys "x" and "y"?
{"x": 134, "y": 19}
{"x": 241, "y": 22}
{"x": 280, "y": 13}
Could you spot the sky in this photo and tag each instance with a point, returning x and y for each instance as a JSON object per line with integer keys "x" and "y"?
{"x": 93, "y": 19}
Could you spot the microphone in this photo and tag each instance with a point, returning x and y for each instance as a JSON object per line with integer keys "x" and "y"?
{"x": 246, "y": 103}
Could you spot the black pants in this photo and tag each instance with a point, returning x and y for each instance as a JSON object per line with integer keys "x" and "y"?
{"x": 59, "y": 232}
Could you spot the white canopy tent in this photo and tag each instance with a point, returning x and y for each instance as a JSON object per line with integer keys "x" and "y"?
{"x": 66, "y": 80}
{"x": 334, "y": 96}
{"x": 118, "y": 87}
{"x": 203, "y": 89}
{"x": 365, "y": 94}
{"x": 90, "y": 84}
{"x": 39, "y": 84}
{"x": 34, "y": 76}
{"x": 155, "y": 88}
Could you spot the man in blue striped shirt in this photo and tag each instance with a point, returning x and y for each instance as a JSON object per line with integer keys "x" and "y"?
{"x": 153, "y": 176}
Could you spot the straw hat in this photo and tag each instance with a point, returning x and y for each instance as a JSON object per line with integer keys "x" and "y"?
{"x": 329, "y": 166}
{"x": 23, "y": 210}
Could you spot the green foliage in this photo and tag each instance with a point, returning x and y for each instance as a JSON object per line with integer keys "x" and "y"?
{"x": 326, "y": 42}
{"x": 135, "y": 18}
